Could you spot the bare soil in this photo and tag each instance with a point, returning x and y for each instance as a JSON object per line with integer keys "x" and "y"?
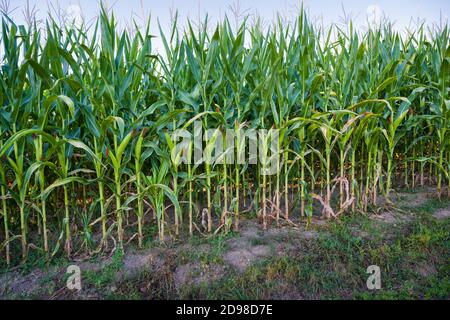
{"x": 442, "y": 214}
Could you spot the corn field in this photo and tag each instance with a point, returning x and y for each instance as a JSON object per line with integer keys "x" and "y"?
{"x": 88, "y": 161}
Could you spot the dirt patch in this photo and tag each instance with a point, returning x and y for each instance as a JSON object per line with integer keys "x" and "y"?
{"x": 413, "y": 200}
{"x": 260, "y": 251}
{"x": 17, "y": 284}
{"x": 387, "y": 218}
{"x": 410, "y": 200}
{"x": 250, "y": 230}
{"x": 249, "y": 234}
{"x": 239, "y": 259}
{"x": 426, "y": 269}
{"x": 255, "y": 243}
{"x": 136, "y": 262}
{"x": 182, "y": 273}
{"x": 391, "y": 218}
{"x": 442, "y": 214}
{"x": 309, "y": 234}
{"x": 189, "y": 249}
{"x": 283, "y": 249}
{"x": 242, "y": 258}
{"x": 196, "y": 274}
{"x": 279, "y": 232}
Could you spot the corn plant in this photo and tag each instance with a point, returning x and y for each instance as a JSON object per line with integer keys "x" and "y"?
{"x": 89, "y": 117}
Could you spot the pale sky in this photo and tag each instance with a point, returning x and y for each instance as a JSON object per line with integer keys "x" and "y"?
{"x": 325, "y": 12}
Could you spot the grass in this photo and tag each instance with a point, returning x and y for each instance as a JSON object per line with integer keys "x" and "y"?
{"x": 106, "y": 275}
{"x": 334, "y": 267}
{"x": 212, "y": 252}
{"x": 412, "y": 255}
